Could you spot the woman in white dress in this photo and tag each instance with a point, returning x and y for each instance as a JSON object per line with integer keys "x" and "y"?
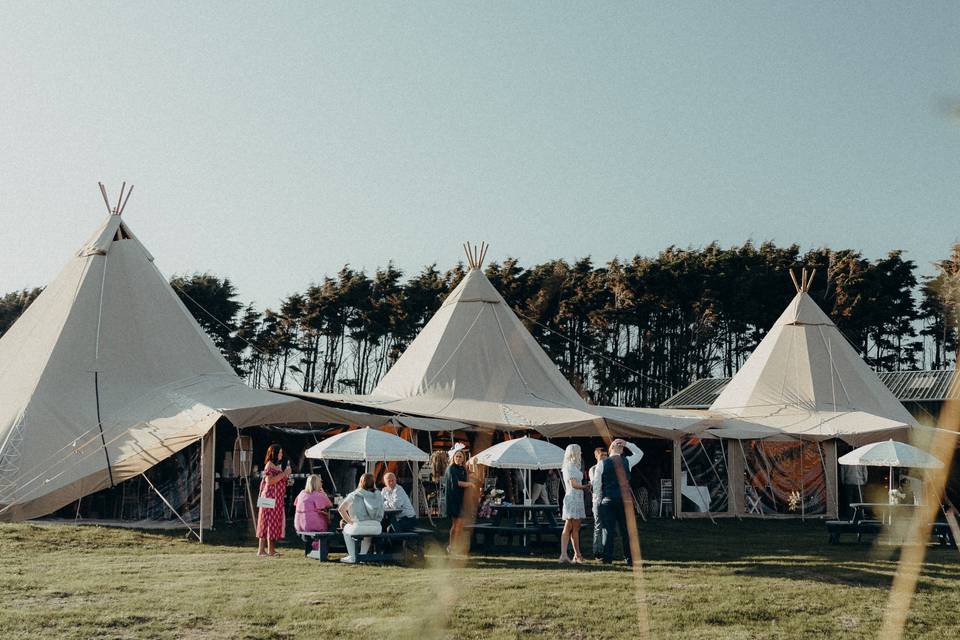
{"x": 573, "y": 509}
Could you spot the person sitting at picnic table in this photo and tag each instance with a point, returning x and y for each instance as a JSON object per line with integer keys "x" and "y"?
{"x": 362, "y": 511}
{"x": 271, "y": 521}
{"x": 311, "y": 507}
{"x": 455, "y": 484}
{"x": 396, "y": 499}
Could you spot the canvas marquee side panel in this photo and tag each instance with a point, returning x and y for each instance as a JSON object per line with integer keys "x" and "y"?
{"x": 703, "y": 477}
{"x": 785, "y": 478}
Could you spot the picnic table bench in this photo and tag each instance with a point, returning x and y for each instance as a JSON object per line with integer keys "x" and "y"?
{"x": 861, "y": 526}
{"x": 389, "y": 547}
{"x": 485, "y": 533}
{"x": 944, "y": 535}
{"x": 836, "y": 528}
{"x": 523, "y": 526}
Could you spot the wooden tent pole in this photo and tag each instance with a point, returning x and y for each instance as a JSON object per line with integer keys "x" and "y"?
{"x": 794, "y": 278}
{"x": 124, "y": 205}
{"x": 122, "y": 189}
{"x": 106, "y": 200}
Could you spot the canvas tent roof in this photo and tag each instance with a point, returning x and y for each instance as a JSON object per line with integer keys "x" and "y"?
{"x": 109, "y": 344}
{"x": 476, "y": 363}
{"x": 805, "y": 380}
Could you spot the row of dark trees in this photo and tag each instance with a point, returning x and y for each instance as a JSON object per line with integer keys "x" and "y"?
{"x": 628, "y": 332}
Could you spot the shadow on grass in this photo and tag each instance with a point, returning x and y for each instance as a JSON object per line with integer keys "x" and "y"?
{"x": 791, "y": 550}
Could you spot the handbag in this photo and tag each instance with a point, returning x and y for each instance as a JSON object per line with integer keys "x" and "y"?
{"x": 264, "y": 502}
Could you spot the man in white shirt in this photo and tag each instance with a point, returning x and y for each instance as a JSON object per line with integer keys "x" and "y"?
{"x": 600, "y": 454}
{"x": 396, "y": 499}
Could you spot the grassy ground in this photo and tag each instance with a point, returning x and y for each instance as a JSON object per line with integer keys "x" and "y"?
{"x": 756, "y": 579}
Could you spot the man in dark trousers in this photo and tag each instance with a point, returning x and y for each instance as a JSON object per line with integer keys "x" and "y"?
{"x": 611, "y": 489}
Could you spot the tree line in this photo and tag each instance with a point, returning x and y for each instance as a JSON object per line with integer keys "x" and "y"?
{"x": 628, "y": 332}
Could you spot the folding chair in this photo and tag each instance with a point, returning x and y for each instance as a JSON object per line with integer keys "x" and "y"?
{"x": 753, "y": 500}
{"x": 666, "y": 496}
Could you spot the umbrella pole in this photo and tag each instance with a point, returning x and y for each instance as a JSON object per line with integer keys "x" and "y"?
{"x": 529, "y": 491}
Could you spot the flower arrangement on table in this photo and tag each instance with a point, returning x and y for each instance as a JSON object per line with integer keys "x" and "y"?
{"x": 795, "y": 501}
{"x": 488, "y": 503}
{"x": 897, "y": 496}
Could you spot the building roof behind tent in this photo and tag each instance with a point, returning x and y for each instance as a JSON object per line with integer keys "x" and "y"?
{"x": 907, "y": 386}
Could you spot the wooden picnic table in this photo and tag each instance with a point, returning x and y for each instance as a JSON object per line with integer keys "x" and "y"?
{"x": 860, "y": 525}
{"x": 385, "y": 544}
{"x": 539, "y": 514}
{"x": 522, "y": 524}
{"x": 885, "y": 510}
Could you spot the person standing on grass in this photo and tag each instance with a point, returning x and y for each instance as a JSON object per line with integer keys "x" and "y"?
{"x": 573, "y": 508}
{"x": 455, "y": 484}
{"x": 600, "y": 454}
{"x": 272, "y": 521}
{"x": 362, "y": 512}
{"x": 612, "y": 490}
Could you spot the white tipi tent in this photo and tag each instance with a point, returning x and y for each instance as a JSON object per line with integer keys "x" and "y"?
{"x": 804, "y": 380}
{"x": 476, "y": 363}
{"x": 107, "y": 373}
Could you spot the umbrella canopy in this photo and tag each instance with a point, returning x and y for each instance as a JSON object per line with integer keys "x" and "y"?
{"x": 521, "y": 453}
{"x": 366, "y": 444}
{"x": 891, "y": 454}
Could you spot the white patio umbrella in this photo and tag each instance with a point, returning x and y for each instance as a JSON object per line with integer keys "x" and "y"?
{"x": 522, "y": 453}
{"x": 368, "y": 445}
{"x": 890, "y": 454}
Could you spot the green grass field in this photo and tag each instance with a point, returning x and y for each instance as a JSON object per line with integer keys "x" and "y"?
{"x": 751, "y": 579}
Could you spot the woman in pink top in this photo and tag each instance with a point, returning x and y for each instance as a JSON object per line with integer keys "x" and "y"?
{"x": 312, "y": 505}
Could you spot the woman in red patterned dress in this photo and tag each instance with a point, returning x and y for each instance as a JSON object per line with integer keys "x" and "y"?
{"x": 271, "y": 522}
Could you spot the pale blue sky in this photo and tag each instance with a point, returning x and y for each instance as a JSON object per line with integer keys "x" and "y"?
{"x": 273, "y": 145}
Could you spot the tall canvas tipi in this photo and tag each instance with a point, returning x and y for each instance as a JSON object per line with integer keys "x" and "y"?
{"x": 476, "y": 363}
{"x": 107, "y": 373}
{"x": 805, "y": 380}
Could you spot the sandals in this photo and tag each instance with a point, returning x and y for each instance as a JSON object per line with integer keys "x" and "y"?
{"x": 563, "y": 560}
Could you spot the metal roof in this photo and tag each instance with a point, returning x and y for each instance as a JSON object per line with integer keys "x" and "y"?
{"x": 907, "y": 386}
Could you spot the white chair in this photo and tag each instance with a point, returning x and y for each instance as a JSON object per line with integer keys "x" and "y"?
{"x": 666, "y": 497}
{"x": 753, "y": 500}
